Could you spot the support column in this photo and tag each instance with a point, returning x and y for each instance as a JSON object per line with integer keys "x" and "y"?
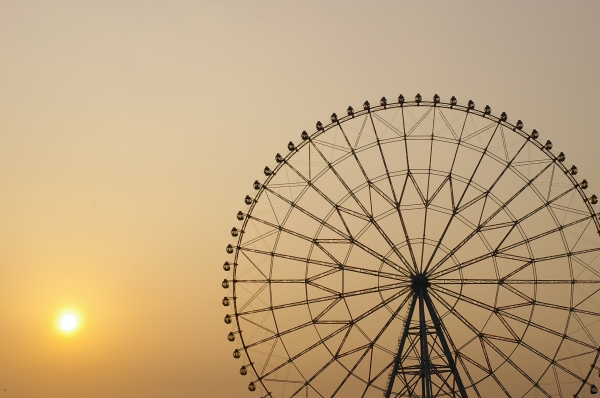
{"x": 414, "y": 365}
{"x": 425, "y": 366}
{"x": 398, "y": 359}
{"x": 437, "y": 324}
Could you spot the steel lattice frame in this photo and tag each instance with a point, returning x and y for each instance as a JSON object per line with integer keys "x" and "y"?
{"x": 414, "y": 248}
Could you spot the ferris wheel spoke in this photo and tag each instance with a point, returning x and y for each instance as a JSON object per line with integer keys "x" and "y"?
{"x": 586, "y": 266}
{"x": 568, "y": 309}
{"x": 448, "y": 124}
{"x": 488, "y": 340}
{"x": 494, "y": 214}
{"x": 533, "y": 212}
{"x": 585, "y": 329}
{"x": 576, "y": 355}
{"x": 552, "y": 362}
{"x": 504, "y": 390}
{"x": 253, "y": 264}
{"x": 278, "y": 335}
{"x": 253, "y": 297}
{"x": 419, "y": 121}
{"x": 546, "y": 233}
{"x": 460, "y": 266}
{"x": 364, "y": 209}
{"x": 545, "y": 329}
{"x": 504, "y": 310}
{"x": 519, "y": 192}
{"x": 587, "y": 296}
{"x": 333, "y": 296}
{"x": 459, "y": 359}
{"x": 362, "y": 128}
{"x": 501, "y": 208}
{"x": 314, "y": 376}
{"x": 473, "y": 362}
{"x": 391, "y": 127}
{"x": 346, "y": 237}
{"x": 517, "y": 292}
{"x": 308, "y": 183}
{"x": 527, "y": 261}
{"x": 425, "y": 198}
{"x": 375, "y": 378}
{"x": 255, "y": 281}
{"x": 477, "y": 303}
{"x": 370, "y": 346}
{"x": 481, "y": 131}
{"x": 353, "y": 152}
{"x": 477, "y": 334}
{"x": 503, "y": 281}
{"x": 258, "y": 325}
{"x": 560, "y": 394}
{"x": 321, "y": 275}
{"x": 452, "y": 198}
{"x": 290, "y": 360}
{"x": 568, "y": 209}
{"x": 396, "y": 201}
{"x": 581, "y": 235}
{"x": 308, "y": 260}
{"x": 281, "y": 228}
{"x": 317, "y": 319}
{"x": 462, "y": 196}
{"x": 337, "y": 331}
{"x": 459, "y": 140}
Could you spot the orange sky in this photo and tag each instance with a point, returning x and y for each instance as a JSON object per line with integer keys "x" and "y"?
{"x": 130, "y": 133}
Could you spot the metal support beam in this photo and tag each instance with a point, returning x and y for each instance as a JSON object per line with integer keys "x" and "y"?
{"x": 398, "y": 359}
{"x": 425, "y": 365}
{"x": 426, "y": 335}
{"x": 447, "y": 353}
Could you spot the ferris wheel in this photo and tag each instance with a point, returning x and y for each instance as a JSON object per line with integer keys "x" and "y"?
{"x": 417, "y": 249}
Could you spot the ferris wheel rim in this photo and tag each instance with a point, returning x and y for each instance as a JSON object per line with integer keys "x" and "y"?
{"x": 324, "y": 128}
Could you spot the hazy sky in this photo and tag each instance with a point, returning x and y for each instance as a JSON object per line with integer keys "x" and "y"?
{"x": 130, "y": 133}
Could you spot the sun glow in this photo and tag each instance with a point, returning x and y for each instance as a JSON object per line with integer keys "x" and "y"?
{"x": 68, "y": 322}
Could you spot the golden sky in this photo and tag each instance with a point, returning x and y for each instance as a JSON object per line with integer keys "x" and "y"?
{"x": 130, "y": 133}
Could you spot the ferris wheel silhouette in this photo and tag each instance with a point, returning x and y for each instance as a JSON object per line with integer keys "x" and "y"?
{"x": 417, "y": 249}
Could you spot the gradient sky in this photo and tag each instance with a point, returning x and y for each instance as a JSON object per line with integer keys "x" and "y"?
{"x": 130, "y": 133}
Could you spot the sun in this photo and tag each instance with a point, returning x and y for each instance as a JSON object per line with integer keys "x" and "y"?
{"x": 68, "y": 322}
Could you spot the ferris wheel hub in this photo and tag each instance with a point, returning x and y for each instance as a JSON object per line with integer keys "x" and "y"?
{"x": 420, "y": 282}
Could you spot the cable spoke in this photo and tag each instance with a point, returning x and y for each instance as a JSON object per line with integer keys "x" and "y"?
{"x": 463, "y": 195}
{"x": 365, "y": 211}
{"x": 333, "y": 296}
{"x": 396, "y": 201}
{"x": 528, "y": 322}
{"x": 337, "y": 231}
{"x": 337, "y": 331}
{"x": 494, "y": 214}
{"x": 372, "y": 344}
